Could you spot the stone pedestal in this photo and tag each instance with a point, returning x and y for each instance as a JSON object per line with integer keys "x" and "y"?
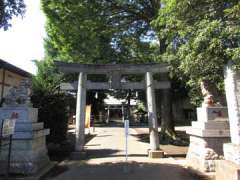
{"x": 207, "y": 136}
{"x": 155, "y": 154}
{"x": 29, "y": 153}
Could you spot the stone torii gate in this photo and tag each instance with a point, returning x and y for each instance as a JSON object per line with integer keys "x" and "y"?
{"x": 114, "y": 73}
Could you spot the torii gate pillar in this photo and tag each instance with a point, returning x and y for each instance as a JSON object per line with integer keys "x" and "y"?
{"x": 152, "y": 118}
{"x": 80, "y": 112}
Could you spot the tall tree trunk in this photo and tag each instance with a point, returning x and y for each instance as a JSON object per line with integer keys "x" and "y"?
{"x": 167, "y": 122}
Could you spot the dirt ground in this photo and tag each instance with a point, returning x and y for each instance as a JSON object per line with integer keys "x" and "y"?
{"x": 105, "y": 159}
{"x": 121, "y": 170}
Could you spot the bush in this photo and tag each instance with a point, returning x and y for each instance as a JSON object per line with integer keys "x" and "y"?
{"x": 53, "y": 104}
{"x": 53, "y": 112}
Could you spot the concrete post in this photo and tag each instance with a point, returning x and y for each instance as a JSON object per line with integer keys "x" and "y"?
{"x": 80, "y": 112}
{"x": 152, "y": 117}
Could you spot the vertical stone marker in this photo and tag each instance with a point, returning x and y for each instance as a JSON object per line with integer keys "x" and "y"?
{"x": 230, "y": 167}
{"x": 208, "y": 134}
{"x": 29, "y": 152}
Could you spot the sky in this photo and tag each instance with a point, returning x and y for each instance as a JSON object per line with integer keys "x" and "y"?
{"x": 23, "y": 42}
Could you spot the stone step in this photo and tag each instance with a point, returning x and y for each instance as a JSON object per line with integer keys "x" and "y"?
{"x": 215, "y": 143}
{"x": 31, "y": 134}
{"x": 197, "y": 141}
{"x": 30, "y": 168}
{"x": 208, "y": 141}
{"x": 199, "y": 151}
{"x": 208, "y": 133}
{"x": 199, "y": 163}
{"x": 26, "y": 162}
{"x": 26, "y": 144}
{"x": 25, "y": 155}
{"x": 220, "y": 125}
{"x": 26, "y": 126}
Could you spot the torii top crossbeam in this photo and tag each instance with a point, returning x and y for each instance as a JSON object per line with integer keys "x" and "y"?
{"x": 108, "y": 68}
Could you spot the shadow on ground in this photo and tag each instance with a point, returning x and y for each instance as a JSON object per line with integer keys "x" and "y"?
{"x": 106, "y": 153}
{"x": 144, "y": 137}
{"x": 60, "y": 152}
{"x": 122, "y": 171}
{"x": 100, "y": 153}
{"x": 171, "y": 149}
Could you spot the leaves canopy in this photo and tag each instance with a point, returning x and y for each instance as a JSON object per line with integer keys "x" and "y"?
{"x": 201, "y": 37}
{"x": 197, "y": 37}
{"x": 48, "y": 78}
{"x": 8, "y": 9}
{"x": 100, "y": 31}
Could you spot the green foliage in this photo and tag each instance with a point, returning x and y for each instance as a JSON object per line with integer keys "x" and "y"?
{"x": 100, "y": 31}
{"x": 52, "y": 104}
{"x": 201, "y": 38}
{"x": 8, "y": 9}
{"x": 52, "y": 111}
{"x": 75, "y": 32}
{"x": 48, "y": 77}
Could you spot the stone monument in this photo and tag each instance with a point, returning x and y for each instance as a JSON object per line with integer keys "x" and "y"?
{"x": 208, "y": 134}
{"x": 29, "y": 152}
{"x": 230, "y": 167}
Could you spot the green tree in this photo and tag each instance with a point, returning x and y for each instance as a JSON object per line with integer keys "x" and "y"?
{"x": 53, "y": 105}
{"x": 201, "y": 38}
{"x": 48, "y": 77}
{"x": 76, "y": 33}
{"x": 100, "y": 31}
{"x": 132, "y": 31}
{"x": 105, "y": 31}
{"x": 8, "y": 9}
